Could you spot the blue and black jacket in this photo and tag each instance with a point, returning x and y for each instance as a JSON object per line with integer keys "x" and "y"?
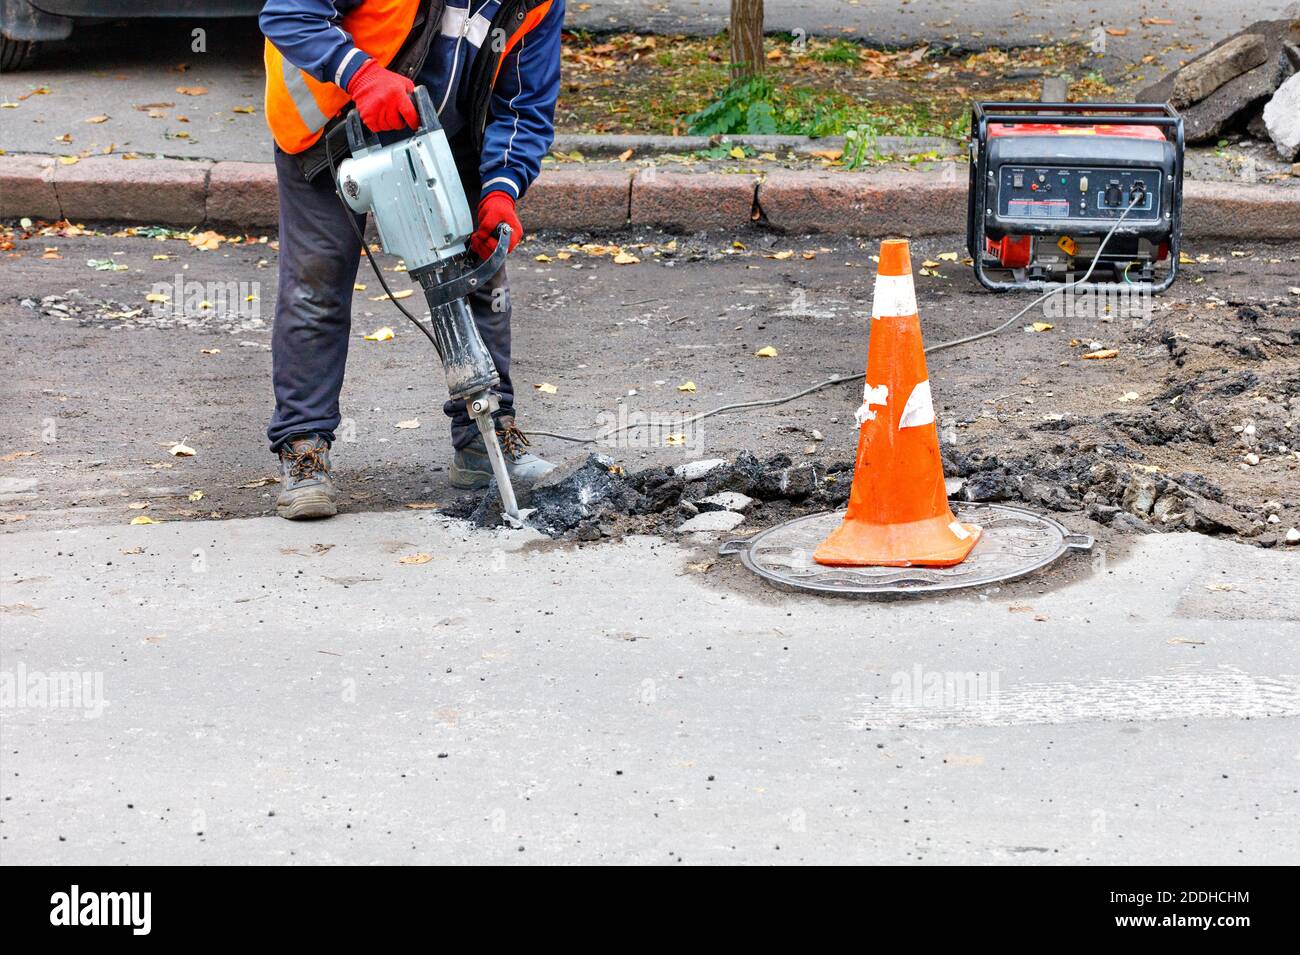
{"x": 502, "y": 103}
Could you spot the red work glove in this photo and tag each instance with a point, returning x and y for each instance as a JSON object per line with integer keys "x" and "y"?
{"x": 383, "y": 98}
{"x": 494, "y": 209}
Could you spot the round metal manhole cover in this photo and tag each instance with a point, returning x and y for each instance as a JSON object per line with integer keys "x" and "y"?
{"x": 1015, "y": 542}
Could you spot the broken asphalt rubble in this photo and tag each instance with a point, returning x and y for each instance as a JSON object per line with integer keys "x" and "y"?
{"x": 1228, "y": 395}
{"x": 1247, "y": 82}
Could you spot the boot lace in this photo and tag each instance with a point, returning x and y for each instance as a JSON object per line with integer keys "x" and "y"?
{"x": 303, "y": 464}
{"x": 513, "y": 441}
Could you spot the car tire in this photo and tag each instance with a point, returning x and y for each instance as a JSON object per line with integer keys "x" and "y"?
{"x": 15, "y": 54}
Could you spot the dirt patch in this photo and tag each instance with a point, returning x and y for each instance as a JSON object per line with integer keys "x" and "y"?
{"x": 1214, "y": 447}
{"x": 96, "y": 396}
{"x": 627, "y": 83}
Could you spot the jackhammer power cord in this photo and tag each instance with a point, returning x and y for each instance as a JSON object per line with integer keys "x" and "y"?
{"x": 742, "y": 405}
{"x": 851, "y": 376}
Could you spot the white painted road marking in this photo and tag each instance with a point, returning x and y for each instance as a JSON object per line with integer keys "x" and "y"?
{"x": 1221, "y": 693}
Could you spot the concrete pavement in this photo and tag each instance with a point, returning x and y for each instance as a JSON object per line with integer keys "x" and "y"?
{"x": 263, "y": 691}
{"x": 290, "y": 693}
{"x": 973, "y": 25}
{"x": 607, "y": 197}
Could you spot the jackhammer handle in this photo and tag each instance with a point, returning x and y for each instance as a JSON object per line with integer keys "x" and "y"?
{"x": 442, "y": 293}
{"x": 359, "y": 138}
{"x": 424, "y": 106}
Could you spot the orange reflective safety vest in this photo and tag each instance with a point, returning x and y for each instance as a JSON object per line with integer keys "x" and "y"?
{"x": 298, "y": 106}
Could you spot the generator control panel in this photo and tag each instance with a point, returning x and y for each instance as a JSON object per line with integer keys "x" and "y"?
{"x": 1072, "y": 192}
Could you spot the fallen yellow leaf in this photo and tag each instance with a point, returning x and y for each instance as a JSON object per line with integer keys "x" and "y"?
{"x": 196, "y": 496}
{"x": 96, "y": 119}
{"x": 626, "y": 258}
{"x": 546, "y": 388}
{"x": 1042, "y": 326}
{"x": 207, "y": 241}
{"x": 144, "y": 520}
{"x": 686, "y": 386}
{"x": 416, "y": 559}
{"x": 767, "y": 352}
{"x": 181, "y": 450}
{"x": 1102, "y": 354}
{"x": 384, "y": 334}
{"x": 192, "y": 90}
{"x": 404, "y": 293}
{"x": 408, "y": 424}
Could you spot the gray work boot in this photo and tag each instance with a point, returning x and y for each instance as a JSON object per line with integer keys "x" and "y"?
{"x": 306, "y": 489}
{"x": 471, "y": 470}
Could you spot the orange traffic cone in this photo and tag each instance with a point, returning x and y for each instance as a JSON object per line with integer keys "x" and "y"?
{"x": 898, "y": 512}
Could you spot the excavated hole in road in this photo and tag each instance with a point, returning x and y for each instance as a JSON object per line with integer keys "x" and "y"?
{"x": 1229, "y": 401}
{"x": 1106, "y": 482}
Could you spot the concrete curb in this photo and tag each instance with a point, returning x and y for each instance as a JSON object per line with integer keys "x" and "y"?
{"x": 602, "y": 198}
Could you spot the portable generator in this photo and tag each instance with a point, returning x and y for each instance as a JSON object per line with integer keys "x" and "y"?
{"x": 1048, "y": 182}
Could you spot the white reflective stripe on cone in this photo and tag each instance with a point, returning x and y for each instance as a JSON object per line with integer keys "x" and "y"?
{"x": 895, "y": 297}
{"x": 919, "y": 409}
{"x": 871, "y": 395}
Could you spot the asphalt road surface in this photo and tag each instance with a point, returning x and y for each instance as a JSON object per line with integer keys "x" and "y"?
{"x": 254, "y": 690}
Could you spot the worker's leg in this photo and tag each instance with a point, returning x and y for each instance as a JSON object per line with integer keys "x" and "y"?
{"x": 313, "y": 310}
{"x": 490, "y": 306}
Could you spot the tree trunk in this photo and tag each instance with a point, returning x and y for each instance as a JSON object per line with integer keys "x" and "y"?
{"x": 746, "y": 38}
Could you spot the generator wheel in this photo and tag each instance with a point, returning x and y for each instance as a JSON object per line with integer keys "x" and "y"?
{"x": 15, "y": 54}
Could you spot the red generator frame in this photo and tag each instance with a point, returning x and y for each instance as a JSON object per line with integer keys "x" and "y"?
{"x": 1049, "y": 180}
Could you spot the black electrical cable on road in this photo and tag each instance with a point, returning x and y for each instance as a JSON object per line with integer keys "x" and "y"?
{"x": 849, "y": 376}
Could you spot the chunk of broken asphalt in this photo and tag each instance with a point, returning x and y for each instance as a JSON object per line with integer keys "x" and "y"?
{"x": 725, "y": 501}
{"x": 712, "y": 521}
